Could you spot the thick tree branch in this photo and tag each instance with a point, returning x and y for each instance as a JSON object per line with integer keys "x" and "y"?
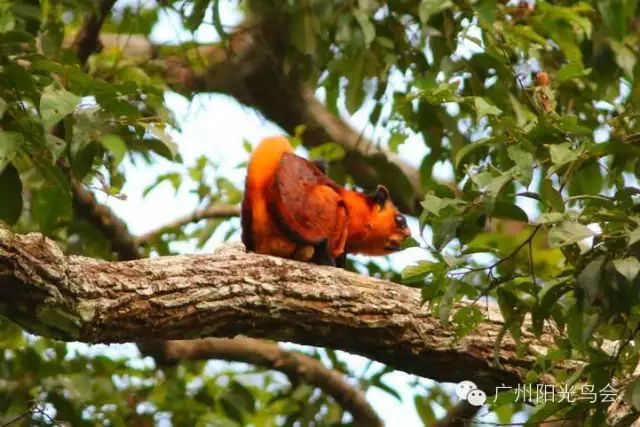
{"x": 297, "y": 366}
{"x": 224, "y": 211}
{"x": 231, "y": 292}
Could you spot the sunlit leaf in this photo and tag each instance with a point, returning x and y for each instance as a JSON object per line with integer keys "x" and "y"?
{"x": 568, "y": 232}
{"x": 628, "y": 267}
{"x": 56, "y": 103}
{"x": 9, "y": 144}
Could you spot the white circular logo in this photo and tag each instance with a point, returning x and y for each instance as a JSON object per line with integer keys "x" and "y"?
{"x": 463, "y": 389}
{"x": 476, "y": 397}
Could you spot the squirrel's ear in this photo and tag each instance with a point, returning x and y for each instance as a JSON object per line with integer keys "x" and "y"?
{"x": 381, "y": 196}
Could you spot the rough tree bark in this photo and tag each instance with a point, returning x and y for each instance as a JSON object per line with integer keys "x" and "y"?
{"x": 231, "y": 292}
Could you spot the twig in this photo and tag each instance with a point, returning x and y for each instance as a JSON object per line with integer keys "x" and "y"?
{"x": 17, "y": 418}
{"x": 460, "y": 414}
{"x": 87, "y": 41}
{"x": 225, "y": 211}
{"x": 297, "y": 366}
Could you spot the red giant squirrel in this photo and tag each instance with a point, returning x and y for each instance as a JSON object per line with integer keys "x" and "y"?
{"x": 293, "y": 210}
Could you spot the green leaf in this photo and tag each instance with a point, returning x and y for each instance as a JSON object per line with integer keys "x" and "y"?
{"x": 615, "y": 15}
{"x": 544, "y": 412}
{"x": 434, "y": 204}
{"x": 115, "y": 145}
{"x": 589, "y": 278}
{"x": 550, "y": 218}
{"x": 495, "y": 186}
{"x": 9, "y": 143}
{"x": 635, "y": 396}
{"x": 563, "y": 153}
{"x": 625, "y": 58}
{"x": 134, "y": 74}
{"x": 396, "y": 140}
{"x": 303, "y": 34}
{"x": 509, "y": 211}
{"x": 55, "y": 104}
{"x": 11, "y": 336}
{"x": 466, "y": 320}
{"x": 237, "y": 401}
{"x": 10, "y": 194}
{"x": 484, "y": 107}
{"x": 568, "y": 232}
{"x": 417, "y": 273}
{"x": 424, "y": 409}
{"x": 430, "y": 291}
{"x": 355, "y": 93}
{"x": 367, "y": 26}
{"x": 55, "y": 145}
{"x": 217, "y": 22}
{"x": 512, "y": 310}
{"x": 547, "y": 298}
{"x": 329, "y": 151}
{"x": 389, "y": 390}
{"x": 82, "y": 160}
{"x": 410, "y": 242}
{"x": 524, "y": 164}
{"x": 7, "y": 19}
{"x": 446, "y": 302}
{"x": 51, "y": 208}
{"x": 3, "y": 107}
{"x": 587, "y": 179}
{"x": 51, "y": 36}
{"x": 159, "y": 132}
{"x": 198, "y": 10}
{"x": 571, "y": 71}
{"x": 551, "y": 196}
{"x": 634, "y": 237}
{"x": 628, "y": 267}
{"x": 428, "y": 8}
{"x": 469, "y": 148}
{"x": 444, "y": 230}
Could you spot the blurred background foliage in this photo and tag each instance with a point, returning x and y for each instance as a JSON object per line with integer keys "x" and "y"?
{"x": 528, "y": 193}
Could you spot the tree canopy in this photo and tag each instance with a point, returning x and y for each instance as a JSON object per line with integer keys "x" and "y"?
{"x": 526, "y": 200}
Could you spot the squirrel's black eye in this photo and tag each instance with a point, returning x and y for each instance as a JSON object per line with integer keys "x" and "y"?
{"x": 401, "y": 222}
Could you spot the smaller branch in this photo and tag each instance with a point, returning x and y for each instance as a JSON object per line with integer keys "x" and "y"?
{"x": 13, "y": 421}
{"x": 461, "y": 414}
{"x": 515, "y": 252}
{"x": 101, "y": 217}
{"x": 224, "y": 211}
{"x": 87, "y": 39}
{"x": 296, "y": 366}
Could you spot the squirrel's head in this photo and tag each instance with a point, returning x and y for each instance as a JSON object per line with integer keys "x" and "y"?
{"x": 376, "y": 226}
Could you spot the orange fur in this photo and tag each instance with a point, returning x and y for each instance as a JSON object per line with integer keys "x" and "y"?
{"x": 292, "y": 209}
